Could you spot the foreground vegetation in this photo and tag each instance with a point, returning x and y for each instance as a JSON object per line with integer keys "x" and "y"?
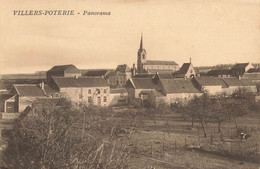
{"x": 202, "y": 133}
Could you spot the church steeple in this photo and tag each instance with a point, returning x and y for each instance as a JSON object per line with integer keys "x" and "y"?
{"x": 141, "y": 56}
{"x": 141, "y": 43}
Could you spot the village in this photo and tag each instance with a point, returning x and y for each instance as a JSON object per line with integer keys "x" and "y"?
{"x": 113, "y": 87}
{"x": 158, "y": 132}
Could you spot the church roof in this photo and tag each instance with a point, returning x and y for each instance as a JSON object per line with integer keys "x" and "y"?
{"x": 159, "y": 62}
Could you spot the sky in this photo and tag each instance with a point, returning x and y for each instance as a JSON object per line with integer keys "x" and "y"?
{"x": 209, "y": 32}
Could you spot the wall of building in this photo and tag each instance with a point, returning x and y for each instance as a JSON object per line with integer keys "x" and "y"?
{"x": 213, "y": 89}
{"x": 118, "y": 99}
{"x": 180, "y": 97}
{"x": 165, "y": 67}
{"x": 79, "y": 95}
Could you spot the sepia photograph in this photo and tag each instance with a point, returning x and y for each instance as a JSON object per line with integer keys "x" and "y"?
{"x": 130, "y": 84}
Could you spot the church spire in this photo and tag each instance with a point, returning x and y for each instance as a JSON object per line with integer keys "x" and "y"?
{"x": 141, "y": 43}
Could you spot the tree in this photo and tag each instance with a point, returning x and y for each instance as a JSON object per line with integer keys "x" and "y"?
{"x": 240, "y": 103}
{"x": 49, "y": 135}
{"x": 218, "y": 109}
{"x": 199, "y": 108}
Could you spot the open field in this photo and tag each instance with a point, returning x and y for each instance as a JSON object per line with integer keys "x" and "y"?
{"x": 180, "y": 146}
{"x": 172, "y": 143}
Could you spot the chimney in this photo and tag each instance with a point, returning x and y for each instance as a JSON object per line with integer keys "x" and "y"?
{"x": 42, "y": 85}
{"x": 133, "y": 71}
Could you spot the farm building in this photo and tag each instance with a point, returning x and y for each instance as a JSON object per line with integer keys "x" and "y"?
{"x": 63, "y": 71}
{"x": 212, "y": 85}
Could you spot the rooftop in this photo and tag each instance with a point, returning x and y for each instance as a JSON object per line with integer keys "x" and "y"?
{"x": 65, "y": 82}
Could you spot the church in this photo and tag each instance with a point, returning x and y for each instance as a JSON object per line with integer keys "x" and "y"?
{"x": 145, "y": 66}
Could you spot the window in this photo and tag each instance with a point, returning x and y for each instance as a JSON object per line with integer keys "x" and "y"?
{"x": 105, "y": 90}
{"x": 89, "y": 91}
{"x": 98, "y": 91}
{"x": 105, "y": 99}
{"x": 89, "y": 99}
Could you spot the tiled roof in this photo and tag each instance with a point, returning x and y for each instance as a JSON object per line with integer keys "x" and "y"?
{"x": 240, "y": 66}
{"x": 218, "y": 72}
{"x": 144, "y": 83}
{"x": 178, "y": 86}
{"x": 2, "y": 85}
{"x": 29, "y": 90}
{"x": 238, "y": 82}
{"x": 65, "y": 82}
{"x": 184, "y": 68}
{"x": 210, "y": 81}
{"x": 101, "y": 72}
{"x": 61, "y": 67}
{"x": 123, "y": 68}
{"x": 4, "y": 97}
{"x": 252, "y": 76}
{"x": 48, "y": 90}
{"x": 159, "y": 62}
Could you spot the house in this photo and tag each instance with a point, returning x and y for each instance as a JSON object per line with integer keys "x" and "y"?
{"x": 186, "y": 71}
{"x": 153, "y": 66}
{"x": 210, "y": 84}
{"x": 116, "y": 78}
{"x": 23, "y": 95}
{"x": 63, "y": 71}
{"x": 239, "y": 69}
{"x": 219, "y": 73}
{"x": 139, "y": 88}
{"x": 176, "y": 90}
{"x": 170, "y": 90}
{"x": 254, "y": 76}
{"x": 235, "y": 84}
{"x": 89, "y": 90}
{"x": 124, "y": 69}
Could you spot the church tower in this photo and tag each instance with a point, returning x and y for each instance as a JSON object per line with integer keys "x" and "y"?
{"x": 141, "y": 57}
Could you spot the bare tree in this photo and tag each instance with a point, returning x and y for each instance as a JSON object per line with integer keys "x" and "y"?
{"x": 49, "y": 135}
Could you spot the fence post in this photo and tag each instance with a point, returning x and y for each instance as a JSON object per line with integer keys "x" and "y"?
{"x": 152, "y": 148}
{"x": 175, "y": 146}
{"x": 121, "y": 143}
{"x": 256, "y": 147}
